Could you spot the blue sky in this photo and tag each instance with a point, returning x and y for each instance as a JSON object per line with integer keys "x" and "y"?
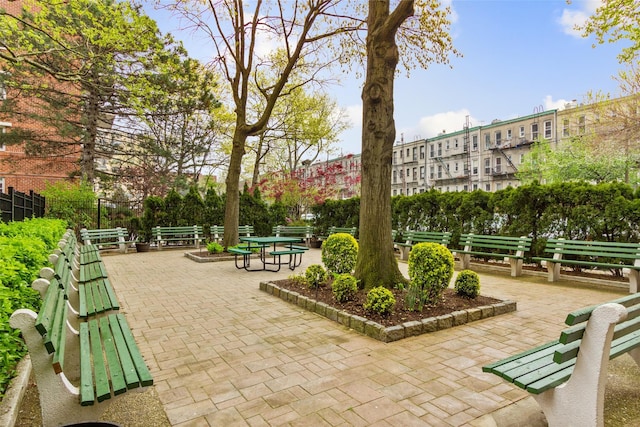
{"x": 519, "y": 56}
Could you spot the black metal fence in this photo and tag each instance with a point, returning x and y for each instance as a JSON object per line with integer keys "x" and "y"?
{"x": 92, "y": 214}
{"x": 16, "y": 206}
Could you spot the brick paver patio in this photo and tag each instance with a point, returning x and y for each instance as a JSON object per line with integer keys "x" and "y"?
{"x": 224, "y": 353}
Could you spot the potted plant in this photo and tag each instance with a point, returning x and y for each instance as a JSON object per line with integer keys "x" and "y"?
{"x": 143, "y": 244}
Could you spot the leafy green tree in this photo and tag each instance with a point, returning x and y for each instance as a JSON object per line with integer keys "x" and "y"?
{"x": 79, "y": 63}
{"x": 613, "y": 21}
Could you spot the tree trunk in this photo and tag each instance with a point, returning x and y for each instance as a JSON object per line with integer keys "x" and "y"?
{"x": 376, "y": 263}
{"x": 232, "y": 203}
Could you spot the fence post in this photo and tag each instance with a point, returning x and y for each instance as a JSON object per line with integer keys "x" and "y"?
{"x": 99, "y": 210}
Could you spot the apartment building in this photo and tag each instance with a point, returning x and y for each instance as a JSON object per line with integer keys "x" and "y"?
{"x": 482, "y": 157}
{"x": 342, "y": 173}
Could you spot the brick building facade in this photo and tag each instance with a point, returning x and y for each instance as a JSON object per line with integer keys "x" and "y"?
{"x": 17, "y": 169}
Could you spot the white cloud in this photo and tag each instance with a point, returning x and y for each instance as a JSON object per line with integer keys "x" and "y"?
{"x": 550, "y": 104}
{"x": 577, "y": 15}
{"x": 430, "y": 126}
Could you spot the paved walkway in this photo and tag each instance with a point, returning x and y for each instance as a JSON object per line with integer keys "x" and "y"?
{"x": 223, "y": 353}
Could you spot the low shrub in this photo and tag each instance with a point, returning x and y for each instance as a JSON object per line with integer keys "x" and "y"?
{"x": 467, "y": 284}
{"x": 214, "y": 248}
{"x": 344, "y": 287}
{"x": 380, "y": 300}
{"x": 298, "y": 279}
{"x": 316, "y": 275}
{"x": 430, "y": 271}
{"x": 339, "y": 253}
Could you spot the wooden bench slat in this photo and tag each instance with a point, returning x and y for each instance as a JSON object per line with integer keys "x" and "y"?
{"x": 51, "y": 340}
{"x": 131, "y": 377}
{"x": 141, "y": 367}
{"x": 110, "y": 353}
{"x": 527, "y": 364}
{"x": 87, "y": 395}
{"x": 102, "y": 391}
{"x": 500, "y": 365}
{"x": 59, "y": 339}
{"x": 583, "y": 314}
{"x": 48, "y": 309}
{"x": 551, "y": 381}
{"x": 83, "y": 308}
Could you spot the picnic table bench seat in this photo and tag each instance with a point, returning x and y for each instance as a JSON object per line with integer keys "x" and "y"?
{"x": 411, "y": 237}
{"x": 107, "y": 238}
{"x": 189, "y": 234}
{"x": 78, "y": 363}
{"x": 567, "y": 376}
{"x": 510, "y": 249}
{"x": 592, "y": 254}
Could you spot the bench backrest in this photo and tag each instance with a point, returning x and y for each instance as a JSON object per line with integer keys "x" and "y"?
{"x": 413, "y": 237}
{"x": 305, "y": 231}
{"x": 591, "y": 248}
{"x": 217, "y": 231}
{"x": 626, "y": 335}
{"x": 499, "y": 243}
{"x": 51, "y": 323}
{"x": 159, "y": 231}
{"x": 348, "y": 230}
{"x": 104, "y": 235}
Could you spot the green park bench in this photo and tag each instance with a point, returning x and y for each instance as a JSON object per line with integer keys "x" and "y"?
{"x": 183, "y": 235}
{"x": 217, "y": 232}
{"x": 78, "y": 362}
{"x": 594, "y": 255}
{"x": 510, "y": 249}
{"x": 411, "y": 237}
{"x": 106, "y": 238}
{"x": 304, "y": 232}
{"x": 567, "y": 376}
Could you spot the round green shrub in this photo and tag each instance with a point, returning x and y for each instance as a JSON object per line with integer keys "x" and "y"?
{"x": 339, "y": 253}
{"x": 380, "y": 300}
{"x": 344, "y": 287}
{"x": 430, "y": 272}
{"x": 316, "y": 275}
{"x": 467, "y": 284}
{"x": 214, "y": 248}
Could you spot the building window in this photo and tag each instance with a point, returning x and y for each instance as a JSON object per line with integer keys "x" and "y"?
{"x": 3, "y": 129}
{"x": 521, "y": 134}
{"x": 455, "y": 143}
{"x": 474, "y": 167}
{"x": 508, "y": 134}
{"x": 446, "y": 146}
{"x": 582, "y": 128}
{"x": 498, "y": 165}
{"x": 487, "y": 166}
{"x": 439, "y": 171}
{"x": 408, "y": 153}
{"x": 474, "y": 142}
{"x": 395, "y": 157}
{"x": 439, "y": 149}
{"x": 455, "y": 167}
{"x": 1, "y": 185}
{"x": 565, "y": 127}
{"x": 422, "y": 152}
{"x": 475, "y": 187}
{"x": 395, "y": 176}
{"x": 415, "y": 174}
{"x": 498, "y": 186}
{"x": 487, "y": 141}
{"x": 534, "y": 131}
{"x": 395, "y": 192}
{"x": 498, "y": 137}
{"x": 421, "y": 172}
{"x": 415, "y": 154}
{"x": 487, "y": 187}
{"x": 432, "y": 172}
{"x": 408, "y": 172}
{"x": 432, "y": 151}
{"x": 547, "y": 129}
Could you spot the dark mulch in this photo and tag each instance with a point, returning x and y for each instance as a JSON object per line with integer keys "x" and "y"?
{"x": 451, "y": 302}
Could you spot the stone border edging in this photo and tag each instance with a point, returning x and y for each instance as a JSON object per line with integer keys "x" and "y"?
{"x": 391, "y": 333}
{"x": 10, "y": 405}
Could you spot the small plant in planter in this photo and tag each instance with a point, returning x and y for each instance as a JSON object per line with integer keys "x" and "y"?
{"x": 467, "y": 284}
{"x": 316, "y": 275}
{"x": 143, "y": 244}
{"x": 339, "y": 253}
{"x": 214, "y": 248}
{"x": 380, "y": 300}
{"x": 430, "y": 271}
{"x": 344, "y": 287}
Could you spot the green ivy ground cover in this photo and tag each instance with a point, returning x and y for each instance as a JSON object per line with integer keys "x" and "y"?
{"x": 24, "y": 248}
